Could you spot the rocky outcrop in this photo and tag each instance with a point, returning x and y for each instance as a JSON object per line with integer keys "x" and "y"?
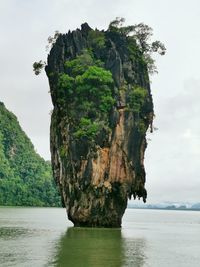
{"x": 96, "y": 178}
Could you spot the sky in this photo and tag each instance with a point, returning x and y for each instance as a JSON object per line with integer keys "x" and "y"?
{"x": 172, "y": 159}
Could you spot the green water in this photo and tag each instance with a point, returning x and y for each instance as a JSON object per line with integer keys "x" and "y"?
{"x": 148, "y": 238}
{"x": 91, "y": 247}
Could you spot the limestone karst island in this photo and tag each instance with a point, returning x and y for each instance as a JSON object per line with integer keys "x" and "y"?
{"x": 100, "y": 89}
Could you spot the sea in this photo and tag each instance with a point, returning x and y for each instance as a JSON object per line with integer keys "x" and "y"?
{"x": 44, "y": 237}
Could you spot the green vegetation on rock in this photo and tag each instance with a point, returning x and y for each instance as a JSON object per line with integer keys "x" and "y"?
{"x": 97, "y": 39}
{"x": 86, "y": 128}
{"x": 139, "y": 36}
{"x": 137, "y": 97}
{"x": 25, "y": 178}
{"x": 87, "y": 90}
{"x": 100, "y": 89}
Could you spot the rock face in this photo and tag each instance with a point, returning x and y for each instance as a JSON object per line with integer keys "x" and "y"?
{"x": 96, "y": 177}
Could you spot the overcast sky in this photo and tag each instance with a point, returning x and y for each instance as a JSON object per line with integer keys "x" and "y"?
{"x": 173, "y": 154}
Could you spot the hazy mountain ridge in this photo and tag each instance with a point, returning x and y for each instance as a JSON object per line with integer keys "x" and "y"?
{"x": 166, "y": 205}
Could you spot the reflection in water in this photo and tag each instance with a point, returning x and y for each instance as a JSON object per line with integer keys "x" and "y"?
{"x": 89, "y": 247}
{"x": 35, "y": 237}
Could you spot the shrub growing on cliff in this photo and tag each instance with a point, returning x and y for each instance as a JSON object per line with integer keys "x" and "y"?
{"x": 95, "y": 86}
{"x": 141, "y": 127}
{"x": 90, "y": 84}
{"x": 137, "y": 97}
{"x": 66, "y": 87}
{"x": 140, "y": 35}
{"x": 97, "y": 39}
{"x": 38, "y": 66}
{"x": 81, "y": 63}
{"x": 95, "y": 76}
{"x": 116, "y": 25}
{"x": 52, "y": 39}
{"x": 86, "y": 128}
{"x": 87, "y": 89}
{"x": 65, "y": 81}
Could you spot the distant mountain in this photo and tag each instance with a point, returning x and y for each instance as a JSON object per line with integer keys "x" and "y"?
{"x": 25, "y": 178}
{"x": 166, "y": 205}
{"x": 196, "y": 206}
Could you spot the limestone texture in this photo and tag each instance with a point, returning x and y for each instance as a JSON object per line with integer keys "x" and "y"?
{"x": 97, "y": 177}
